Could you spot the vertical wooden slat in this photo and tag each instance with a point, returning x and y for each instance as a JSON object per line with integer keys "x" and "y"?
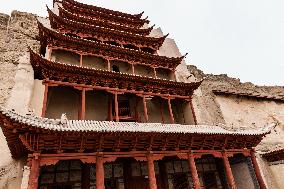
{"x": 171, "y": 111}
{"x": 44, "y": 106}
{"x": 145, "y": 109}
{"x": 257, "y": 170}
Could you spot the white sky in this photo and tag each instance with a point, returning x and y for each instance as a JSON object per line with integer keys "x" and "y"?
{"x": 242, "y": 38}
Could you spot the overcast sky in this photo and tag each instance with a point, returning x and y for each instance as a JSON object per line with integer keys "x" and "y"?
{"x": 242, "y": 38}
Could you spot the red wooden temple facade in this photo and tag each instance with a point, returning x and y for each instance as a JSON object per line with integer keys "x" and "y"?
{"x": 129, "y": 123}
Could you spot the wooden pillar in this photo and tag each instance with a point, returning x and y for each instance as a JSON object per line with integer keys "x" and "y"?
{"x": 193, "y": 170}
{"x": 81, "y": 60}
{"x": 228, "y": 170}
{"x": 133, "y": 69}
{"x": 100, "y": 180}
{"x": 85, "y": 176}
{"x": 162, "y": 110}
{"x": 108, "y": 64}
{"x": 82, "y": 112}
{"x": 145, "y": 109}
{"x": 155, "y": 73}
{"x": 49, "y": 53}
{"x": 110, "y": 116}
{"x": 171, "y": 111}
{"x": 175, "y": 76}
{"x": 116, "y": 107}
{"x": 257, "y": 170}
{"x": 151, "y": 172}
{"x": 43, "y": 111}
{"x": 192, "y": 111}
{"x": 34, "y": 173}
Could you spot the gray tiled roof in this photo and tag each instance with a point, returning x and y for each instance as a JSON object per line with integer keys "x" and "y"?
{"x": 123, "y": 127}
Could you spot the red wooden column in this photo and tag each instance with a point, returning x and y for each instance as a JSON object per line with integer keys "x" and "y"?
{"x": 108, "y": 65}
{"x": 116, "y": 107}
{"x": 133, "y": 69}
{"x": 171, "y": 111}
{"x": 81, "y": 60}
{"x": 257, "y": 170}
{"x": 175, "y": 76}
{"x": 193, "y": 171}
{"x": 34, "y": 173}
{"x": 229, "y": 174}
{"x": 49, "y": 53}
{"x": 151, "y": 172}
{"x": 83, "y": 105}
{"x": 192, "y": 110}
{"x": 110, "y": 116}
{"x": 145, "y": 109}
{"x": 43, "y": 111}
{"x": 162, "y": 110}
{"x": 155, "y": 72}
{"x": 100, "y": 180}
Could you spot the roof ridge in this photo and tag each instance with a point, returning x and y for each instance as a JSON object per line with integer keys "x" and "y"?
{"x": 110, "y": 126}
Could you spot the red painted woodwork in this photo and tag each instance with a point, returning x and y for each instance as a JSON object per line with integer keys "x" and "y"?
{"x": 107, "y": 17}
{"x": 171, "y": 111}
{"x": 193, "y": 170}
{"x": 106, "y": 51}
{"x": 108, "y": 64}
{"x": 162, "y": 110}
{"x": 110, "y": 116}
{"x": 151, "y": 172}
{"x": 145, "y": 109}
{"x": 94, "y": 21}
{"x": 43, "y": 111}
{"x": 81, "y": 60}
{"x": 83, "y": 104}
{"x": 116, "y": 107}
{"x": 192, "y": 110}
{"x": 106, "y": 80}
{"x": 107, "y": 11}
{"x": 103, "y": 34}
{"x": 133, "y": 69}
{"x": 49, "y": 53}
{"x": 155, "y": 72}
{"x": 228, "y": 170}
{"x": 175, "y": 76}
{"x": 100, "y": 173}
{"x": 34, "y": 173}
{"x": 257, "y": 170}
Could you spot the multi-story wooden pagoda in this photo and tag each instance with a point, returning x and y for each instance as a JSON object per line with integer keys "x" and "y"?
{"x": 113, "y": 114}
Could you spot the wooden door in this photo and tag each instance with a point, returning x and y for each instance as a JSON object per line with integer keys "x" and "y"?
{"x": 180, "y": 181}
{"x": 138, "y": 183}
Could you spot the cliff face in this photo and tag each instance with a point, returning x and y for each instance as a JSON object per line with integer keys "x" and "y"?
{"x": 240, "y": 105}
{"x": 17, "y": 32}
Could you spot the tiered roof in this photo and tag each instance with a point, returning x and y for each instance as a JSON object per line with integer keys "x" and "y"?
{"x": 56, "y": 39}
{"x": 104, "y": 10}
{"x": 103, "y": 34}
{"x": 68, "y": 15}
{"x": 107, "y": 79}
{"x": 276, "y": 154}
{"x": 33, "y": 134}
{"x": 104, "y": 14}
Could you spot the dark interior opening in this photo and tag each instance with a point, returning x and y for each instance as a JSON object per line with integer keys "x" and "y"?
{"x": 115, "y": 68}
